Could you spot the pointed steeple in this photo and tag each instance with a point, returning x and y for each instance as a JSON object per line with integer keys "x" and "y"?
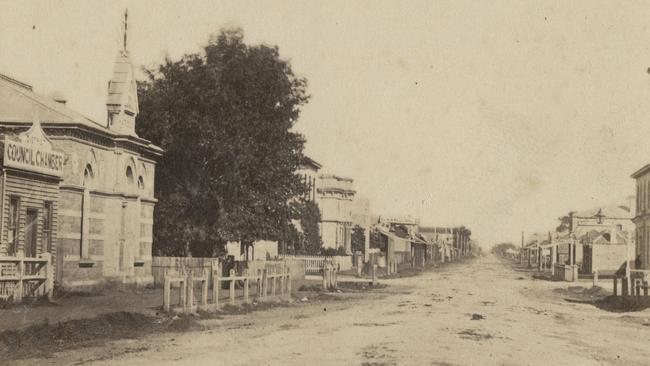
{"x": 122, "y": 102}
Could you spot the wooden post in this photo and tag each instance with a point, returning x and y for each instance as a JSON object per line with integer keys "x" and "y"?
{"x": 615, "y": 286}
{"x": 232, "y": 287}
{"x": 273, "y": 281}
{"x": 289, "y": 281}
{"x": 325, "y": 274}
{"x": 258, "y": 281}
{"x": 245, "y": 286}
{"x": 265, "y": 282}
{"x": 595, "y": 278}
{"x": 374, "y": 274}
{"x": 624, "y": 288}
{"x": 18, "y": 293}
{"x": 216, "y": 283}
{"x": 283, "y": 271}
{"x": 334, "y": 275}
{"x": 167, "y": 292}
{"x": 49, "y": 276}
{"x": 189, "y": 306}
{"x": 204, "y": 290}
{"x": 645, "y": 288}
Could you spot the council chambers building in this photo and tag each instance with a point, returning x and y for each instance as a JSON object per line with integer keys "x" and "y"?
{"x": 79, "y": 189}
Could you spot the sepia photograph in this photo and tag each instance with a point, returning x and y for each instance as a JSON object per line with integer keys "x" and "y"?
{"x": 340, "y": 182}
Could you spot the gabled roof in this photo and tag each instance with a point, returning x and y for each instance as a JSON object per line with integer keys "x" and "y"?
{"x": 18, "y": 103}
{"x": 641, "y": 171}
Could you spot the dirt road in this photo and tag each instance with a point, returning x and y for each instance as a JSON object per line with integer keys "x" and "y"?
{"x": 424, "y": 320}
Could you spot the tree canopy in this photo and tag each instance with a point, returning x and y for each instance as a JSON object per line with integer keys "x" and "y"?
{"x": 224, "y": 118}
{"x": 502, "y": 248}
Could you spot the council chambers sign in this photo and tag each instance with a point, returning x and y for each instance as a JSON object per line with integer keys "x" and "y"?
{"x": 32, "y": 151}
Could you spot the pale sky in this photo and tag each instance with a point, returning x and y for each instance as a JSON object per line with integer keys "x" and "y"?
{"x": 501, "y": 116}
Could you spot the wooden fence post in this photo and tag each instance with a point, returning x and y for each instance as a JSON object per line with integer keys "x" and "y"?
{"x": 204, "y": 290}
{"x": 258, "y": 281}
{"x": 615, "y": 286}
{"x": 232, "y": 287}
{"x": 49, "y": 276}
{"x": 167, "y": 292}
{"x": 283, "y": 270}
{"x": 289, "y": 282}
{"x": 216, "y": 283}
{"x": 245, "y": 286}
{"x": 18, "y": 292}
{"x": 595, "y": 278}
{"x": 325, "y": 274}
{"x": 273, "y": 280}
{"x": 374, "y": 274}
{"x": 265, "y": 282}
{"x": 189, "y": 304}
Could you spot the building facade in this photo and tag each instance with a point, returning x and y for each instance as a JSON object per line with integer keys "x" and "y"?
{"x": 334, "y": 196}
{"x": 642, "y": 216}
{"x": 78, "y": 189}
{"x": 308, "y": 172}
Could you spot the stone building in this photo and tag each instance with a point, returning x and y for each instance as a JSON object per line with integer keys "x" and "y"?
{"x": 334, "y": 195}
{"x": 308, "y": 171}
{"x": 79, "y": 189}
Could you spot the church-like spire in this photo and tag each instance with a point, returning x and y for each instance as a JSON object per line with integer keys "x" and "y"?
{"x": 122, "y": 101}
{"x": 126, "y": 26}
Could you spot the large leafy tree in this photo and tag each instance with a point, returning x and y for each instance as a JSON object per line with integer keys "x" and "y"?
{"x": 224, "y": 118}
{"x": 358, "y": 239}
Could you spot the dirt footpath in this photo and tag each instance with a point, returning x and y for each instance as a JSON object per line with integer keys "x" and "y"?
{"x": 483, "y": 313}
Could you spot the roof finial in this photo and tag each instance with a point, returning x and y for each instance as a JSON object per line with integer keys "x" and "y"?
{"x": 126, "y": 26}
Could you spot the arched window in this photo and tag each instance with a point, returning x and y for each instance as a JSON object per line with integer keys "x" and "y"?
{"x": 140, "y": 183}
{"x": 88, "y": 175}
{"x": 129, "y": 175}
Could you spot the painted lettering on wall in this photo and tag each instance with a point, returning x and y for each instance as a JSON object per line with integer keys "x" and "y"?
{"x": 37, "y": 158}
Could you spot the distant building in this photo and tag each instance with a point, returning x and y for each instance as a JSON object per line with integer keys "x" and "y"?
{"x": 335, "y": 195}
{"x": 642, "y": 216}
{"x": 308, "y": 171}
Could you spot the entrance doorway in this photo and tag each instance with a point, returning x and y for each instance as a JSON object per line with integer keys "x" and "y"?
{"x": 31, "y": 224}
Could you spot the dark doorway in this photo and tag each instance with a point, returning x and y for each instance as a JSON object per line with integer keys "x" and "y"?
{"x": 31, "y": 226}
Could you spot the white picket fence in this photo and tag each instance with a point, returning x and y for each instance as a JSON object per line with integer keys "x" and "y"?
{"x": 315, "y": 263}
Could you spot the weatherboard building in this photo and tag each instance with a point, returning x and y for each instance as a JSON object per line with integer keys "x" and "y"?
{"x": 78, "y": 189}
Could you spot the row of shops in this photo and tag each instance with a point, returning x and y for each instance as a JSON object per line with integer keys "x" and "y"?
{"x": 403, "y": 241}
{"x": 600, "y": 240}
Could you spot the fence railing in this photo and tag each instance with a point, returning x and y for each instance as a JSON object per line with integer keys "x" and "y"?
{"x": 26, "y": 277}
{"x": 315, "y": 263}
{"x": 160, "y": 265}
{"x": 267, "y": 282}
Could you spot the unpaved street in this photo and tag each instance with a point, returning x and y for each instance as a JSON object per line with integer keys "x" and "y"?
{"x": 424, "y": 320}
